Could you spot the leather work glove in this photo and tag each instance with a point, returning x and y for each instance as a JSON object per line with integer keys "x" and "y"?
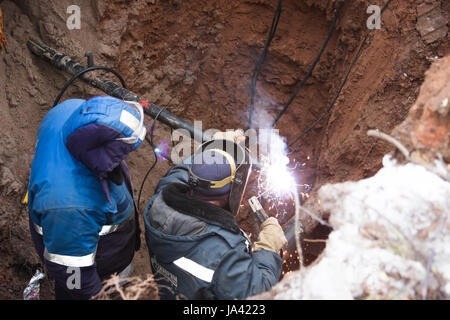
{"x": 271, "y": 236}
{"x": 237, "y": 136}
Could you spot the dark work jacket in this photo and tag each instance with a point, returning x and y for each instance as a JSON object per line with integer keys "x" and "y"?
{"x": 197, "y": 251}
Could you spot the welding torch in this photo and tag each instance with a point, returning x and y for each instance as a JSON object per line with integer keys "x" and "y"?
{"x": 257, "y": 209}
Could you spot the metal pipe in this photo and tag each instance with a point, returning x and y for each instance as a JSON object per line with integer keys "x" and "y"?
{"x": 65, "y": 63}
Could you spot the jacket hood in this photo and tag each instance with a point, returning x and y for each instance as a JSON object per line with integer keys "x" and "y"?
{"x": 92, "y": 135}
{"x": 170, "y": 247}
{"x": 171, "y": 234}
{"x": 178, "y": 196}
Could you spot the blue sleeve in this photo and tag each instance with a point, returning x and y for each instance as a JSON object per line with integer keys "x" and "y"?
{"x": 73, "y": 233}
{"x": 241, "y": 274}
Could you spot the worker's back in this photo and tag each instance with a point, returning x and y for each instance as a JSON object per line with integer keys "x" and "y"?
{"x": 58, "y": 180}
{"x": 74, "y": 222}
{"x": 185, "y": 253}
{"x": 197, "y": 250}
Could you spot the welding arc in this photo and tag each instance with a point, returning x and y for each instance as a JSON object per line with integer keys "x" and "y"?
{"x": 262, "y": 56}
{"x": 344, "y": 81}
{"x": 313, "y": 66}
{"x": 150, "y": 142}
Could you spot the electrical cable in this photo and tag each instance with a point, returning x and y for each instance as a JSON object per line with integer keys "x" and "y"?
{"x": 313, "y": 66}
{"x": 79, "y": 74}
{"x": 257, "y": 70}
{"x": 356, "y": 57}
{"x": 150, "y": 141}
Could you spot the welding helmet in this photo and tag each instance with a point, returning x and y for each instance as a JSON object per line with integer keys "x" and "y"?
{"x": 236, "y": 158}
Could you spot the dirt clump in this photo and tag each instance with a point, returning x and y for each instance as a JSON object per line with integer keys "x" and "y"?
{"x": 426, "y": 131}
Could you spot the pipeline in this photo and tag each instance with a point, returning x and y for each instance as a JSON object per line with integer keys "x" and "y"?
{"x": 65, "y": 63}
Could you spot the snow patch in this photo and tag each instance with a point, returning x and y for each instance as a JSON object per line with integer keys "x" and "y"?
{"x": 387, "y": 229}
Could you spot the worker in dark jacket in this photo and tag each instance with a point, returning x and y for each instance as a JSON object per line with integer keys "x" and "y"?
{"x": 197, "y": 250}
{"x": 82, "y": 212}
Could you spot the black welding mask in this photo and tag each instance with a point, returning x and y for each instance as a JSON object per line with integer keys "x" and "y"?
{"x": 241, "y": 169}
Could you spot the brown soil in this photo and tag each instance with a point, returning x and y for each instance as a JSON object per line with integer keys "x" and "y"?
{"x": 196, "y": 57}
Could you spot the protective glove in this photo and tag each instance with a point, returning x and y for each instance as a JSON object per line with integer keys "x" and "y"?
{"x": 237, "y": 136}
{"x": 271, "y": 236}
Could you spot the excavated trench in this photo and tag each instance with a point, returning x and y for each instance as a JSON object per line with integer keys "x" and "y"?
{"x": 196, "y": 58}
{"x": 205, "y": 55}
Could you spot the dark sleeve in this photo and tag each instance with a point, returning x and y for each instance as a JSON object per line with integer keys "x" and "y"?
{"x": 241, "y": 274}
{"x": 176, "y": 174}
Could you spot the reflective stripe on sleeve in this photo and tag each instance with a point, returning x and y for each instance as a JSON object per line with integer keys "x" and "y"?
{"x": 105, "y": 229}
{"x": 108, "y": 229}
{"x": 71, "y": 261}
{"x": 195, "y": 269}
{"x": 112, "y": 228}
{"x": 129, "y": 120}
{"x": 38, "y": 229}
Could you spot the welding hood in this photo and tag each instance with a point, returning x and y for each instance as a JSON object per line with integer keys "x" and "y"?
{"x": 239, "y": 176}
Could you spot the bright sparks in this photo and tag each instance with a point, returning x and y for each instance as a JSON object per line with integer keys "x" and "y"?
{"x": 279, "y": 179}
{"x": 277, "y": 185}
{"x": 276, "y": 177}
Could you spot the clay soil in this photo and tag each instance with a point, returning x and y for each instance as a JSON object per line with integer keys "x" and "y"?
{"x": 196, "y": 58}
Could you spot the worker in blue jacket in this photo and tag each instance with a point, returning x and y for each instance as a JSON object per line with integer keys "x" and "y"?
{"x": 82, "y": 212}
{"x": 196, "y": 248}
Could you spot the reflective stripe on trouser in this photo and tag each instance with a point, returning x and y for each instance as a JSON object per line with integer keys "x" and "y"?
{"x": 195, "y": 269}
{"x": 125, "y": 273}
{"x": 71, "y": 261}
{"x": 79, "y": 261}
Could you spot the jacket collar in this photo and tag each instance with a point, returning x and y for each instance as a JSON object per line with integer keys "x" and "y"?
{"x": 177, "y": 197}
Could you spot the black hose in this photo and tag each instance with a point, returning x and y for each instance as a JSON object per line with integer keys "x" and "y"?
{"x": 262, "y": 56}
{"x": 146, "y": 175}
{"x": 150, "y": 141}
{"x": 79, "y": 74}
{"x": 311, "y": 69}
{"x": 331, "y": 105}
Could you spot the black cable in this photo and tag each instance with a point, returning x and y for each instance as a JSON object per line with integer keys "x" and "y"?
{"x": 150, "y": 141}
{"x": 145, "y": 178}
{"x": 311, "y": 69}
{"x": 342, "y": 83}
{"x": 79, "y": 74}
{"x": 262, "y": 56}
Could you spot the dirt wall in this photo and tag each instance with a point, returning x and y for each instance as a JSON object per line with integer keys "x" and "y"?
{"x": 196, "y": 58}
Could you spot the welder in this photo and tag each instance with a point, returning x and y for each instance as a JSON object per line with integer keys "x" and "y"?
{"x": 82, "y": 214}
{"x": 197, "y": 250}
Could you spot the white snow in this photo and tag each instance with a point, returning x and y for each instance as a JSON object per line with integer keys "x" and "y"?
{"x": 385, "y": 229}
